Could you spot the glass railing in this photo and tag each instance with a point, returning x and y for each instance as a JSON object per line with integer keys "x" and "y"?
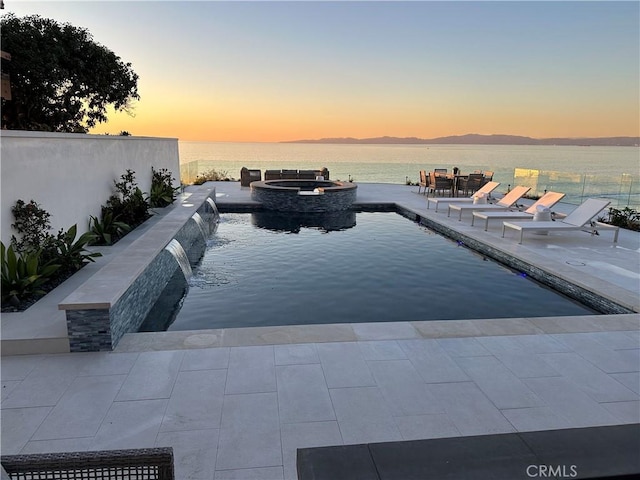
{"x": 622, "y": 190}
{"x": 188, "y": 172}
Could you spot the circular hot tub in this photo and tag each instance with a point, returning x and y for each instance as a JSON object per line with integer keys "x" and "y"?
{"x": 304, "y": 195}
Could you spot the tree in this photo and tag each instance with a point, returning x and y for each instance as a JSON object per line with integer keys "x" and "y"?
{"x": 61, "y": 80}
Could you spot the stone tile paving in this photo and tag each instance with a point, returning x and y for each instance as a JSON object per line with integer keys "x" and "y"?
{"x": 241, "y": 412}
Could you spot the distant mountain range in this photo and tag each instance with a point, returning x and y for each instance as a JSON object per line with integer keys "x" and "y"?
{"x": 475, "y": 139}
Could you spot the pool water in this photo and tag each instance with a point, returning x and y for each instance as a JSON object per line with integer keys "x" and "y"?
{"x": 385, "y": 268}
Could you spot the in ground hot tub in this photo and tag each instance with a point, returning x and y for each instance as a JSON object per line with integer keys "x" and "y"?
{"x": 304, "y": 195}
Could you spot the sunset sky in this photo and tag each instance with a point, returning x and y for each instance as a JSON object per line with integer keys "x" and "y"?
{"x": 277, "y": 71}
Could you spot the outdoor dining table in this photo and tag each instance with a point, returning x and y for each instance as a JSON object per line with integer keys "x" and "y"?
{"x": 456, "y": 182}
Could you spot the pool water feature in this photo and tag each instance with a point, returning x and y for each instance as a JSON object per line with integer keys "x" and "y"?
{"x": 214, "y": 208}
{"x": 386, "y": 268}
{"x": 175, "y": 248}
{"x": 201, "y": 225}
{"x": 118, "y": 298}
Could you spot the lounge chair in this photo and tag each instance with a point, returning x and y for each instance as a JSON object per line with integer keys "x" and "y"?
{"x": 485, "y": 190}
{"x": 548, "y": 200}
{"x": 504, "y": 203}
{"x": 578, "y": 219}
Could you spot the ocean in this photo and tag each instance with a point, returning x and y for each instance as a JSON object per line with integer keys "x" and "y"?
{"x": 578, "y": 171}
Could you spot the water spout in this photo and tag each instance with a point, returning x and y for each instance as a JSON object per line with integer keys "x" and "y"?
{"x": 201, "y": 225}
{"x": 214, "y": 208}
{"x": 180, "y": 255}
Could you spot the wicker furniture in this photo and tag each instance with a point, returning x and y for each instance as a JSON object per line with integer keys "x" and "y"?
{"x": 135, "y": 464}
{"x": 249, "y": 175}
{"x": 438, "y": 181}
{"x": 296, "y": 174}
{"x": 471, "y": 183}
{"x": 488, "y": 177}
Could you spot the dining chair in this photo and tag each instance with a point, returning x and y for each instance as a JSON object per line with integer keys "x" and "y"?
{"x": 440, "y": 182}
{"x": 472, "y": 183}
{"x": 488, "y": 177}
{"x": 424, "y": 181}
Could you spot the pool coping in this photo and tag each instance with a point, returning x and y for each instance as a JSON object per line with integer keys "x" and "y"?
{"x": 375, "y": 331}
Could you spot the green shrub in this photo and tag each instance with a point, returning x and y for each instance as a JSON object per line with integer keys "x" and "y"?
{"x": 32, "y": 224}
{"x": 628, "y": 218}
{"x": 37, "y": 261}
{"x": 23, "y": 275}
{"x": 210, "y": 176}
{"x": 128, "y": 204}
{"x": 107, "y": 231}
{"x": 162, "y": 192}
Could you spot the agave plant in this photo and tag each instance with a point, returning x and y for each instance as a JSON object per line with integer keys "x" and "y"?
{"x": 107, "y": 231}
{"x": 161, "y": 195}
{"x": 71, "y": 253}
{"x": 22, "y": 275}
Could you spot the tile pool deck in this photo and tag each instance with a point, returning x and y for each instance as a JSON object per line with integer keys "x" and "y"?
{"x": 236, "y": 403}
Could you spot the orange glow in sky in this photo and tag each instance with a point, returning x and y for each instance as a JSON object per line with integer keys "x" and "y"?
{"x": 271, "y": 71}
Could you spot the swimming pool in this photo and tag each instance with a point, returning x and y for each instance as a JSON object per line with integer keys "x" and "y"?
{"x": 385, "y": 268}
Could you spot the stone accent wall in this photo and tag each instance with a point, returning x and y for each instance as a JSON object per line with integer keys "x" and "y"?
{"x": 131, "y": 309}
{"x": 89, "y": 330}
{"x": 101, "y": 329}
{"x": 336, "y": 197}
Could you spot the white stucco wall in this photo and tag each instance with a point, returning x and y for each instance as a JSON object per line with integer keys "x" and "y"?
{"x": 71, "y": 175}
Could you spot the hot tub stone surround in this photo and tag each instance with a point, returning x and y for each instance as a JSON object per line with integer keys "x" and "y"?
{"x": 117, "y": 299}
{"x": 284, "y": 195}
